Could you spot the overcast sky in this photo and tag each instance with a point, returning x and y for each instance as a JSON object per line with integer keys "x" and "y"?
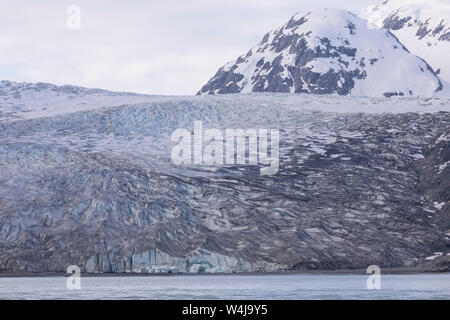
{"x": 157, "y": 47}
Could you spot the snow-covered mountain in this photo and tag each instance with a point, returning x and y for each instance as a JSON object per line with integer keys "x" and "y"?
{"x": 324, "y": 52}
{"x": 423, "y": 26}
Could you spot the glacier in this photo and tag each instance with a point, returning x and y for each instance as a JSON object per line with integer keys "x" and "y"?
{"x": 93, "y": 184}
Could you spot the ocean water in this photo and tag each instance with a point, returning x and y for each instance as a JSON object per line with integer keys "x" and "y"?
{"x": 293, "y": 286}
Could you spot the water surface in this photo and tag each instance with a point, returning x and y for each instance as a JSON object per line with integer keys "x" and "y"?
{"x": 293, "y": 286}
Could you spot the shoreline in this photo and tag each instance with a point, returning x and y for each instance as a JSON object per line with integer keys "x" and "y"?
{"x": 387, "y": 271}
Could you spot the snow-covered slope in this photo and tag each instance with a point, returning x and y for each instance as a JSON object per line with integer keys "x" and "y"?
{"x": 423, "y": 26}
{"x": 324, "y": 52}
{"x": 32, "y": 100}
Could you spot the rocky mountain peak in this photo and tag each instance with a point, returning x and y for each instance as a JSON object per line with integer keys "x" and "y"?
{"x": 327, "y": 51}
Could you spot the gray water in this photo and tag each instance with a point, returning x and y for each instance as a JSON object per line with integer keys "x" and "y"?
{"x": 416, "y": 286}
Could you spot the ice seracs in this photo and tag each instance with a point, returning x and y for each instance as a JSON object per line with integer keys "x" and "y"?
{"x": 327, "y": 51}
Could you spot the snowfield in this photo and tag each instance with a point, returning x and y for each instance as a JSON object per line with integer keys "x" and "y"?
{"x": 34, "y": 100}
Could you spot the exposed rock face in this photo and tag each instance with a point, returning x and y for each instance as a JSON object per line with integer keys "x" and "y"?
{"x": 434, "y": 178}
{"x": 423, "y": 26}
{"x": 97, "y": 189}
{"x": 437, "y": 263}
{"x": 327, "y": 51}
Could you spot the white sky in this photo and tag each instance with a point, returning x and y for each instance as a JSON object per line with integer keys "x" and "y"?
{"x": 157, "y": 47}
